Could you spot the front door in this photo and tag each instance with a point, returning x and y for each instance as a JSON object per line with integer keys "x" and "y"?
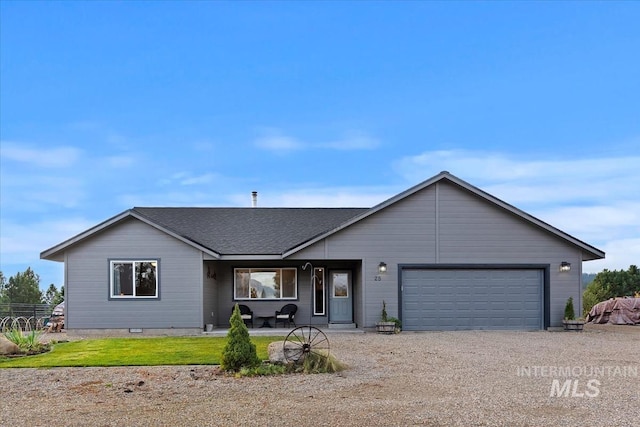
{"x": 340, "y": 297}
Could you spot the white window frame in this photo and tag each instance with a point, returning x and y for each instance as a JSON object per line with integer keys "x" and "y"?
{"x": 319, "y": 271}
{"x": 262, "y": 270}
{"x": 133, "y": 263}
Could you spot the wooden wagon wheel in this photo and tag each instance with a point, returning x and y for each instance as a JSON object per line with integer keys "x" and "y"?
{"x": 303, "y": 341}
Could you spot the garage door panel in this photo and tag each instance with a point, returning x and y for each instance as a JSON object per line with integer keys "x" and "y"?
{"x": 449, "y": 299}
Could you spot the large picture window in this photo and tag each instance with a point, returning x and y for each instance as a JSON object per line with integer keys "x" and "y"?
{"x": 265, "y": 283}
{"x": 134, "y": 279}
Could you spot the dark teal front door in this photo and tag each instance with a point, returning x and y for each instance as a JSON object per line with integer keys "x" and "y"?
{"x": 340, "y": 297}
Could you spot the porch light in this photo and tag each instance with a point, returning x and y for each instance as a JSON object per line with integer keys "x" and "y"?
{"x": 382, "y": 268}
{"x": 565, "y": 266}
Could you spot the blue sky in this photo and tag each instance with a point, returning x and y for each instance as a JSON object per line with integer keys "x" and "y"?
{"x": 110, "y": 105}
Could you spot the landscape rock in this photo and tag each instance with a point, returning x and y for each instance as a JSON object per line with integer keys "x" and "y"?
{"x": 7, "y": 347}
{"x": 276, "y": 354}
{"x": 276, "y": 351}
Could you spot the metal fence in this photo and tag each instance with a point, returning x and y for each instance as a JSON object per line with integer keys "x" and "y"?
{"x": 26, "y": 317}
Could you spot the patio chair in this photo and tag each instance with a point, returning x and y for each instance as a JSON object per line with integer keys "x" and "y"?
{"x": 246, "y": 314}
{"x": 286, "y": 315}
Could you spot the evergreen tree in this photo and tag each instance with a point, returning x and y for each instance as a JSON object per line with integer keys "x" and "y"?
{"x": 3, "y": 285}
{"x": 569, "y": 314}
{"x": 22, "y": 288}
{"x": 239, "y": 352}
{"x": 610, "y": 284}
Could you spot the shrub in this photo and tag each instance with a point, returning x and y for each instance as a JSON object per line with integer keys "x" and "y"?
{"x": 239, "y": 352}
{"x": 29, "y": 342}
{"x": 398, "y": 323}
{"x": 317, "y": 363}
{"x": 610, "y": 284}
{"x": 569, "y": 314}
{"x": 264, "y": 369}
{"x": 384, "y": 317}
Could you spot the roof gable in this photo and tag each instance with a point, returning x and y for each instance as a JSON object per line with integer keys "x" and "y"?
{"x": 280, "y": 232}
{"x": 228, "y": 231}
{"x": 589, "y": 252}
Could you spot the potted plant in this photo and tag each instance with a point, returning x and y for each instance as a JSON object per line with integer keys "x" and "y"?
{"x": 570, "y": 322}
{"x": 385, "y": 325}
{"x": 397, "y": 322}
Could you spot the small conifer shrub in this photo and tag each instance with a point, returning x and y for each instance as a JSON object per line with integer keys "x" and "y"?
{"x": 569, "y": 314}
{"x": 239, "y": 352}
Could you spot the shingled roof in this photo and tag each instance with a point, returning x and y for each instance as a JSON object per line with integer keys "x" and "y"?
{"x": 282, "y": 231}
{"x": 249, "y": 231}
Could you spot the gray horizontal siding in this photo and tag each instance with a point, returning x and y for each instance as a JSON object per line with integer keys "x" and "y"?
{"x": 87, "y": 281}
{"x": 447, "y": 224}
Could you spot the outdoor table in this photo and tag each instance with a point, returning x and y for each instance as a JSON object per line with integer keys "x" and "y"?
{"x": 265, "y": 320}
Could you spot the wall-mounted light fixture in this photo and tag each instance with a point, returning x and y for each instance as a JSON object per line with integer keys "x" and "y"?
{"x": 382, "y": 268}
{"x": 565, "y": 266}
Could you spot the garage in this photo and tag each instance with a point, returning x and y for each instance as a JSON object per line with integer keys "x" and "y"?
{"x": 472, "y": 298}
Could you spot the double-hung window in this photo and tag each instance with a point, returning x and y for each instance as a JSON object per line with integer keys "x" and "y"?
{"x": 265, "y": 283}
{"x": 133, "y": 278}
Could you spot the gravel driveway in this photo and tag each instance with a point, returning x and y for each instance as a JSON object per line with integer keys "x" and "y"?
{"x": 433, "y": 378}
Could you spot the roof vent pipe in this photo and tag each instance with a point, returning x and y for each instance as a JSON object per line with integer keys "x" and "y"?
{"x": 254, "y": 199}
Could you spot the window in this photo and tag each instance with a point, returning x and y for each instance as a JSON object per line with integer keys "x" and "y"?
{"x": 265, "y": 283}
{"x": 134, "y": 279}
{"x": 318, "y": 292}
{"x": 340, "y": 285}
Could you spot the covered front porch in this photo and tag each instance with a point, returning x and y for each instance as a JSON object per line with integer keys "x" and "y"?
{"x": 326, "y": 293}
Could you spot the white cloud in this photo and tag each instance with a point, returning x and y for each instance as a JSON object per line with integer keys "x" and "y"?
{"x": 499, "y": 169}
{"x": 120, "y": 161}
{"x": 597, "y": 223}
{"x": 25, "y": 192}
{"x": 186, "y": 178}
{"x": 596, "y": 200}
{"x": 206, "y": 178}
{"x": 58, "y": 157}
{"x": 326, "y": 197}
{"x": 22, "y": 243}
{"x": 620, "y": 255}
{"x": 278, "y": 143}
{"x": 275, "y": 140}
{"x": 353, "y": 141}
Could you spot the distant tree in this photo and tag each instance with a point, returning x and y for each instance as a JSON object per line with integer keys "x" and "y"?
{"x": 610, "y": 284}
{"x": 22, "y": 288}
{"x": 3, "y": 284}
{"x": 59, "y": 296}
{"x": 53, "y": 296}
{"x": 587, "y": 278}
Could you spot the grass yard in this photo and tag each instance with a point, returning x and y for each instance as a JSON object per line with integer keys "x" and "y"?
{"x": 134, "y": 352}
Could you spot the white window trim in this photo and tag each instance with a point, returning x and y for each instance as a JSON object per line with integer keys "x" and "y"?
{"x": 259, "y": 269}
{"x": 324, "y": 289}
{"x": 112, "y": 295}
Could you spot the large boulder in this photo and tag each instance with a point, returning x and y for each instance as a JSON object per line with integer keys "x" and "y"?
{"x": 7, "y": 347}
{"x": 276, "y": 355}
{"x": 276, "y": 351}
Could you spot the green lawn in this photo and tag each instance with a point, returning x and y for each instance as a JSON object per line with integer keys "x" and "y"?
{"x": 134, "y": 352}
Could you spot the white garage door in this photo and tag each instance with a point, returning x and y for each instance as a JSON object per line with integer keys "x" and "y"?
{"x": 459, "y": 299}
